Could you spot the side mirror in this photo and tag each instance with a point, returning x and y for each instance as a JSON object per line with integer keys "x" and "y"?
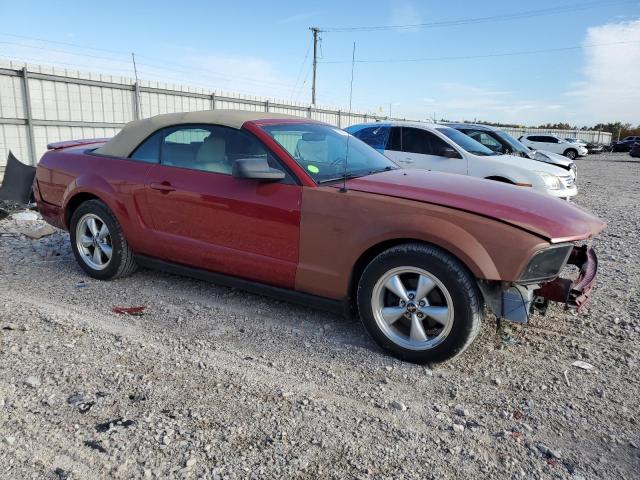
{"x": 449, "y": 152}
{"x": 256, "y": 169}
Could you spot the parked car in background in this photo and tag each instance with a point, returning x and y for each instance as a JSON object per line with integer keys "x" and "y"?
{"x": 500, "y": 141}
{"x": 554, "y": 144}
{"x": 445, "y": 149}
{"x": 635, "y": 150}
{"x": 623, "y": 145}
{"x": 576, "y": 141}
{"x": 300, "y": 210}
{"x": 594, "y": 147}
{"x": 632, "y": 138}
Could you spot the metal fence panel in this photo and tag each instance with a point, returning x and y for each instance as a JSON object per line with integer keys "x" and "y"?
{"x": 11, "y": 97}
{"x": 14, "y": 138}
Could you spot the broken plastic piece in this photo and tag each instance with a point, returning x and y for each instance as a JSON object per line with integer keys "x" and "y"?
{"x": 137, "y": 311}
{"x": 18, "y": 180}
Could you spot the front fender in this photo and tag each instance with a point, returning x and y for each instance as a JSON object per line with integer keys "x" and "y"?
{"x": 338, "y": 229}
{"x": 441, "y": 232}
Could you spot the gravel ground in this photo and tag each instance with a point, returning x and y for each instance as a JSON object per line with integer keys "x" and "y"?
{"x": 215, "y": 383}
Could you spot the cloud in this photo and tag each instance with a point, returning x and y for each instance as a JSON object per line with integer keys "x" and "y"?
{"x": 460, "y": 101}
{"x": 297, "y": 18}
{"x": 404, "y": 13}
{"x": 610, "y": 90}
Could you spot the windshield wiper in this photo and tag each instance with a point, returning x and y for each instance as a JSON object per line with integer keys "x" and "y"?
{"x": 385, "y": 169}
{"x": 348, "y": 176}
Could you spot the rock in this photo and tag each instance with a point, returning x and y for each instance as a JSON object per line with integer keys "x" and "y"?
{"x": 190, "y": 463}
{"x": 10, "y": 440}
{"x": 497, "y": 381}
{"x": 398, "y": 405}
{"x": 547, "y": 452}
{"x": 39, "y": 233}
{"x": 32, "y": 381}
{"x": 458, "y": 428}
{"x": 25, "y": 216}
{"x": 460, "y": 411}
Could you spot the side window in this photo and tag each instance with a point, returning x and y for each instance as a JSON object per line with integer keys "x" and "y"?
{"x": 485, "y": 139}
{"x": 415, "y": 140}
{"x": 395, "y": 139}
{"x": 548, "y": 139}
{"x": 212, "y": 149}
{"x": 149, "y": 150}
{"x": 437, "y": 145}
{"x": 376, "y": 137}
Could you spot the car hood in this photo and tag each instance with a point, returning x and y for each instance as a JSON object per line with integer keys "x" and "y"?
{"x": 528, "y": 163}
{"x": 553, "y": 219}
{"x": 554, "y": 158}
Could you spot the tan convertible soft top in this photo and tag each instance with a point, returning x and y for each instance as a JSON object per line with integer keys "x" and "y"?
{"x": 133, "y": 133}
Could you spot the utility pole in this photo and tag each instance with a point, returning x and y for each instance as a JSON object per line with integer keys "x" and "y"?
{"x": 316, "y": 33}
{"x": 136, "y": 89}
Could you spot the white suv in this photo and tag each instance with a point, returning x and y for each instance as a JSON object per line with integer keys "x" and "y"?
{"x": 444, "y": 149}
{"x": 554, "y": 144}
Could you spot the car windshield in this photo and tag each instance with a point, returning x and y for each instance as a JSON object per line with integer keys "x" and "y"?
{"x": 516, "y": 145}
{"x": 324, "y": 151}
{"x": 467, "y": 143}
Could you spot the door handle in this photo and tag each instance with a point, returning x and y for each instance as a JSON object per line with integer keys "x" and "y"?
{"x": 164, "y": 187}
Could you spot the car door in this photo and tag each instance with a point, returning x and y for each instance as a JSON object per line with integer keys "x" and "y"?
{"x": 206, "y": 218}
{"x": 419, "y": 148}
{"x": 551, "y": 144}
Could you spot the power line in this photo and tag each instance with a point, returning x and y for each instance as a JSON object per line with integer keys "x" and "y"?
{"x": 304, "y": 61}
{"x": 64, "y": 43}
{"x": 488, "y": 55}
{"x": 493, "y": 18}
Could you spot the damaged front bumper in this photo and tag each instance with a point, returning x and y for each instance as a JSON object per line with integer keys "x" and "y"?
{"x": 572, "y": 293}
{"x": 515, "y": 302}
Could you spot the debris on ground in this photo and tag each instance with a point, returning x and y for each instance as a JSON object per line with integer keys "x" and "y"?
{"x": 119, "y": 422}
{"x": 136, "y": 311}
{"x": 582, "y": 365}
{"x": 40, "y": 232}
{"x": 26, "y": 216}
{"x": 95, "y": 445}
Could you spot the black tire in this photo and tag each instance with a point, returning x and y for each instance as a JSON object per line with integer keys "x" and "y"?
{"x": 571, "y": 153}
{"x": 461, "y": 286}
{"x": 122, "y": 262}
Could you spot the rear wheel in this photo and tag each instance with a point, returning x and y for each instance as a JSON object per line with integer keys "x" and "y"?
{"x": 419, "y": 303}
{"x": 571, "y": 153}
{"x": 98, "y": 242}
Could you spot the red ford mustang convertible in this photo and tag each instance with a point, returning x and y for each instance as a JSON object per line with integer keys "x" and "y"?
{"x": 303, "y": 211}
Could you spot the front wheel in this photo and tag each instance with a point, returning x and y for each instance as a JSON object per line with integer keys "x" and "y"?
{"x": 419, "y": 303}
{"x": 572, "y": 154}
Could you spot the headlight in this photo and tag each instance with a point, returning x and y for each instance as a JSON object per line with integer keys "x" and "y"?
{"x": 551, "y": 181}
{"x": 545, "y": 265}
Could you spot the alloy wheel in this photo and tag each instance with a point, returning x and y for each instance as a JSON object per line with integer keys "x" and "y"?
{"x": 412, "y": 308}
{"x": 93, "y": 241}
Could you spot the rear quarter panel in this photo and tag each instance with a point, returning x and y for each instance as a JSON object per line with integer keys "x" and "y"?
{"x": 337, "y": 228}
{"x": 62, "y": 175}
